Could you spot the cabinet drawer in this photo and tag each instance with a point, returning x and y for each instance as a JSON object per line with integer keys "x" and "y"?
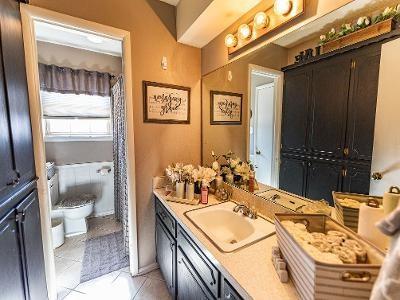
{"x": 208, "y": 273}
{"x": 166, "y": 218}
{"x": 229, "y": 293}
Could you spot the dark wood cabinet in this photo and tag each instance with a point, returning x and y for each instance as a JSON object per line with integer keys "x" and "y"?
{"x": 16, "y": 92}
{"x": 362, "y": 103}
{"x": 189, "y": 283}
{"x": 296, "y": 110}
{"x": 11, "y": 272}
{"x": 333, "y": 152}
{"x": 22, "y": 270}
{"x": 28, "y": 218}
{"x": 166, "y": 255}
{"x": 330, "y": 86}
{"x": 292, "y": 176}
{"x": 188, "y": 272}
{"x": 323, "y": 177}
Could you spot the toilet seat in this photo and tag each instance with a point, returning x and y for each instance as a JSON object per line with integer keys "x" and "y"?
{"x": 76, "y": 201}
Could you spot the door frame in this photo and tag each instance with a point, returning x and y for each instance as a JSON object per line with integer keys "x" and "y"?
{"x": 277, "y": 76}
{"x": 29, "y": 15}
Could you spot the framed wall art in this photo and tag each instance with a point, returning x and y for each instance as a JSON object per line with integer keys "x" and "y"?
{"x": 166, "y": 103}
{"x": 226, "y": 108}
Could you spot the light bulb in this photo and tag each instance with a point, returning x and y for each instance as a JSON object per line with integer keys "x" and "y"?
{"x": 261, "y": 20}
{"x": 282, "y": 7}
{"x": 244, "y": 31}
{"x": 230, "y": 40}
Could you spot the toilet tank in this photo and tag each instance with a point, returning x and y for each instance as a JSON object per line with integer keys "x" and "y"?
{"x": 53, "y": 189}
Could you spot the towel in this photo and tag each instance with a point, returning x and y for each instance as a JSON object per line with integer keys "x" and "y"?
{"x": 387, "y": 285}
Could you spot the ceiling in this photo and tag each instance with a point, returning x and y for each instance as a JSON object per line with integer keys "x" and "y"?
{"x": 60, "y": 35}
{"x": 172, "y": 2}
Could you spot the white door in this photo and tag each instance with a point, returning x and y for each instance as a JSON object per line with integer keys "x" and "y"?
{"x": 264, "y": 132}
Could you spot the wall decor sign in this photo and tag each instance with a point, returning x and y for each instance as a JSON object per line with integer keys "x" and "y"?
{"x": 226, "y": 108}
{"x": 166, "y": 103}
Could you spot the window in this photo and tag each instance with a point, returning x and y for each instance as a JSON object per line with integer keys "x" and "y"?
{"x": 70, "y": 116}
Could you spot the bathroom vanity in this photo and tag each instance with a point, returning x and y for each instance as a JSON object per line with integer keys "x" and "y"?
{"x": 196, "y": 265}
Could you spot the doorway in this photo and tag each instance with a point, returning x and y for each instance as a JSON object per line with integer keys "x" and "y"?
{"x": 64, "y": 120}
{"x": 265, "y": 90}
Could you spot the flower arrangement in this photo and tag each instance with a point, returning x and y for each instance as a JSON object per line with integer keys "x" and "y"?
{"x": 175, "y": 172}
{"x": 361, "y": 23}
{"x": 204, "y": 176}
{"x": 215, "y": 165}
{"x": 188, "y": 173}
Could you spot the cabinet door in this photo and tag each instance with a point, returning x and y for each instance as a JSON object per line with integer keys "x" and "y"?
{"x": 292, "y": 175}
{"x": 7, "y": 174}
{"x": 166, "y": 255}
{"x": 295, "y": 110}
{"x": 322, "y": 179}
{"x": 362, "y": 103}
{"x": 357, "y": 179}
{"x": 330, "y": 88}
{"x": 28, "y": 217}
{"x": 16, "y": 89}
{"x": 189, "y": 284}
{"x": 11, "y": 274}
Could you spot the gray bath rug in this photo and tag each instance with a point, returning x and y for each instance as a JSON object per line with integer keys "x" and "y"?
{"x": 103, "y": 255}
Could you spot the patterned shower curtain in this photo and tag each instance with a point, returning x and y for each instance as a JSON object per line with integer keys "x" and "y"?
{"x": 119, "y": 157}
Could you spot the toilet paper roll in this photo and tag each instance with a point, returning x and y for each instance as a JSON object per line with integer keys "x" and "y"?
{"x": 391, "y": 199}
{"x": 367, "y": 219}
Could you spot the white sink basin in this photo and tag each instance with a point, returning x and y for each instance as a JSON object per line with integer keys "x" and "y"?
{"x": 228, "y": 230}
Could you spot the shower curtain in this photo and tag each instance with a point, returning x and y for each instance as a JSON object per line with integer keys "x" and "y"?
{"x": 119, "y": 157}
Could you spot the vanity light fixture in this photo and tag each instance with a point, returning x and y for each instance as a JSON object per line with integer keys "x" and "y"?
{"x": 230, "y": 40}
{"x": 261, "y": 20}
{"x": 244, "y": 31}
{"x": 279, "y": 13}
{"x": 283, "y": 7}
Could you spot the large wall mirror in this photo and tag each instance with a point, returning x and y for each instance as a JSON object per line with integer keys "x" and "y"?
{"x": 311, "y": 128}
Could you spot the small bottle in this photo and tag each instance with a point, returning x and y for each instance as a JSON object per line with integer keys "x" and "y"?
{"x": 204, "y": 194}
{"x": 251, "y": 182}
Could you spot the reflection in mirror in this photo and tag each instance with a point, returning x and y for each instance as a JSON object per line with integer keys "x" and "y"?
{"x": 328, "y": 128}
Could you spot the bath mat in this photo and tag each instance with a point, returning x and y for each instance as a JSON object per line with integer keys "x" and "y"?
{"x": 103, "y": 255}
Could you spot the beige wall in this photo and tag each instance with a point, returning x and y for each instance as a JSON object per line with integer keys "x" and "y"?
{"x": 215, "y": 54}
{"x": 222, "y": 138}
{"x": 156, "y": 145}
{"x": 187, "y": 11}
{"x": 63, "y": 153}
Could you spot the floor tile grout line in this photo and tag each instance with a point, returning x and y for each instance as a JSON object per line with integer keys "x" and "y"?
{"x": 137, "y": 292}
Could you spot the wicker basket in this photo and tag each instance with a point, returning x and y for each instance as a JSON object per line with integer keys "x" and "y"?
{"x": 317, "y": 280}
{"x": 349, "y": 216}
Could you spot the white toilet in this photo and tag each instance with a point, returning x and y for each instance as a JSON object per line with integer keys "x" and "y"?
{"x": 73, "y": 209}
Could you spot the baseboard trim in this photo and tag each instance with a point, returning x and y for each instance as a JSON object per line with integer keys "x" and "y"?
{"x": 103, "y": 214}
{"x": 148, "y": 268}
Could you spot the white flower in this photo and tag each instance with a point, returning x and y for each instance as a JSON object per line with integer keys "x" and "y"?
{"x": 322, "y": 37}
{"x": 386, "y": 11}
{"x": 398, "y": 8}
{"x": 234, "y": 162}
{"x": 215, "y": 166}
{"x": 360, "y": 21}
{"x": 205, "y": 175}
{"x": 333, "y": 31}
{"x": 367, "y": 21}
{"x": 347, "y": 26}
{"x": 243, "y": 169}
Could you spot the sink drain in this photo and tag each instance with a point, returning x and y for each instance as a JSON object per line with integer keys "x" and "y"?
{"x": 233, "y": 241}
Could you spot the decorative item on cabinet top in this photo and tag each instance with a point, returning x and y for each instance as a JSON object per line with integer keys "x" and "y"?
{"x": 166, "y": 103}
{"x": 264, "y": 22}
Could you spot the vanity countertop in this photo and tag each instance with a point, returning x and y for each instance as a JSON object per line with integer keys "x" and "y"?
{"x": 249, "y": 270}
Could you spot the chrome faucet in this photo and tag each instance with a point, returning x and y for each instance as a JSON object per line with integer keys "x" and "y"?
{"x": 246, "y": 211}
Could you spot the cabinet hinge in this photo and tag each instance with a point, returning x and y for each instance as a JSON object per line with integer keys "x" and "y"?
{"x": 20, "y": 217}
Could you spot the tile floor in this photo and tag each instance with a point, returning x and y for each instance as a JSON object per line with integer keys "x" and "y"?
{"x": 116, "y": 285}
